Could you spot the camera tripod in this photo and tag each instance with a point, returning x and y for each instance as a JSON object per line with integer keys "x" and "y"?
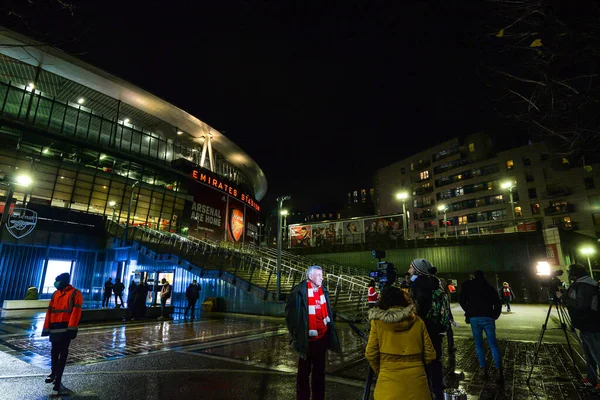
{"x": 370, "y": 376}
{"x": 563, "y": 318}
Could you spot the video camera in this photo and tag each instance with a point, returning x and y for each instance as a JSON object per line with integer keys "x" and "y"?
{"x": 386, "y": 273}
{"x": 552, "y": 283}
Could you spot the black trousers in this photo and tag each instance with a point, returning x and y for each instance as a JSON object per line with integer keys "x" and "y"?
{"x": 313, "y": 367}
{"x": 60, "y": 351}
{"x": 435, "y": 373}
{"x": 106, "y": 300}
{"x": 119, "y": 296}
{"x": 192, "y": 305}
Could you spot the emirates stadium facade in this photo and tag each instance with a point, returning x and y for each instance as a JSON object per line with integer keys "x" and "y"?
{"x": 80, "y": 147}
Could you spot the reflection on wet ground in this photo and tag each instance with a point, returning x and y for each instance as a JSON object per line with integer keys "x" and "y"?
{"x": 263, "y": 343}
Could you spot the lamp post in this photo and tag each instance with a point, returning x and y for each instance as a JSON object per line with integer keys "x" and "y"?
{"x": 284, "y": 232}
{"x": 129, "y": 212}
{"x": 444, "y": 209}
{"x": 510, "y": 185}
{"x": 19, "y": 180}
{"x": 280, "y": 201}
{"x": 403, "y": 196}
{"x": 588, "y": 251}
{"x": 259, "y": 232}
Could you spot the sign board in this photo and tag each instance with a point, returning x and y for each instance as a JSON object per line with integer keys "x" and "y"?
{"x": 21, "y": 222}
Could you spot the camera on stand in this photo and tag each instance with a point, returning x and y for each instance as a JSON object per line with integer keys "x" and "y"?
{"x": 552, "y": 283}
{"x": 386, "y": 273}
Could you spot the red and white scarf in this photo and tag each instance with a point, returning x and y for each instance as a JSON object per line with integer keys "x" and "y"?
{"x": 312, "y": 303}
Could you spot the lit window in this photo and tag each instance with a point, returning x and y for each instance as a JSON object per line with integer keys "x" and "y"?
{"x": 510, "y": 164}
{"x": 471, "y": 147}
{"x": 567, "y": 222}
{"x": 458, "y": 177}
{"x": 424, "y": 175}
{"x": 535, "y": 209}
{"x": 412, "y": 166}
{"x": 462, "y": 220}
{"x": 518, "y": 211}
{"x": 53, "y": 269}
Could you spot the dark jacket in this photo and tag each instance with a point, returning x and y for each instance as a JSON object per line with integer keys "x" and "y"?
{"x": 108, "y": 288}
{"x": 131, "y": 292}
{"x": 192, "y": 292}
{"x": 118, "y": 288}
{"x": 582, "y": 302}
{"x": 32, "y": 294}
{"x": 421, "y": 291}
{"x": 296, "y": 319}
{"x": 141, "y": 292}
{"x": 479, "y": 299}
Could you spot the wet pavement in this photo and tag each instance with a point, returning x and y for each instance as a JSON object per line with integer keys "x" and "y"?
{"x": 225, "y": 356}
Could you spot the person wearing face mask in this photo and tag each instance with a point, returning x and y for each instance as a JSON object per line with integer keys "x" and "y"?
{"x": 61, "y": 324}
{"x": 310, "y": 323}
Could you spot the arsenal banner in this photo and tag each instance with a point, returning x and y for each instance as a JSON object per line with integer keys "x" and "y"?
{"x": 235, "y": 220}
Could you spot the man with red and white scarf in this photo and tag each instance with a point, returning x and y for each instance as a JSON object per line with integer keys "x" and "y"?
{"x": 310, "y": 322}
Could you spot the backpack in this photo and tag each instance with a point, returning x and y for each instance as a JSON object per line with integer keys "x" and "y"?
{"x": 440, "y": 309}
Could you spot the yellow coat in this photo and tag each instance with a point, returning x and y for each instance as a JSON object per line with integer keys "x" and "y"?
{"x": 398, "y": 350}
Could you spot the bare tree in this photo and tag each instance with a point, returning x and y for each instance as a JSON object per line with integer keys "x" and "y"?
{"x": 542, "y": 66}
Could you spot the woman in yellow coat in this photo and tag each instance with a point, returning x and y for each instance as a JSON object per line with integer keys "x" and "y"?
{"x": 399, "y": 348}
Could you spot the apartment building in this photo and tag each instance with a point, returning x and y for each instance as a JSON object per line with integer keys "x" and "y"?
{"x": 464, "y": 187}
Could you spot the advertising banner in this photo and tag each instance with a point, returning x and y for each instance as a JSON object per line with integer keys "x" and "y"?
{"x": 252, "y": 230}
{"x": 383, "y": 229}
{"x": 235, "y": 221}
{"x": 353, "y": 232}
{"x": 207, "y": 214}
{"x": 300, "y": 235}
{"x": 327, "y": 234}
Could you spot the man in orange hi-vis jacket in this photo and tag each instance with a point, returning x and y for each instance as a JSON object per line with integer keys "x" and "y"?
{"x": 62, "y": 321}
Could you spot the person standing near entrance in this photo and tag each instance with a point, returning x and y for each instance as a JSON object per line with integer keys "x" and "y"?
{"x": 108, "y": 289}
{"x": 118, "y": 289}
{"x": 309, "y": 320}
{"x": 507, "y": 295}
{"x": 61, "y": 324}
{"x": 192, "y": 294}
{"x": 131, "y": 293}
{"x": 482, "y": 307}
{"x": 165, "y": 294}
{"x": 139, "y": 301}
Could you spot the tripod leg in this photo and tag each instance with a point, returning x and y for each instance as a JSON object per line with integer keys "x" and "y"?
{"x": 563, "y": 324}
{"x": 539, "y": 343}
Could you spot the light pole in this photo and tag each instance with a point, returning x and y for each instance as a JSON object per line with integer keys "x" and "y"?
{"x": 510, "y": 185}
{"x": 19, "y": 180}
{"x": 588, "y": 251}
{"x": 284, "y": 232}
{"x": 129, "y": 212}
{"x": 259, "y": 232}
{"x": 280, "y": 201}
{"x": 444, "y": 209}
{"x": 403, "y": 196}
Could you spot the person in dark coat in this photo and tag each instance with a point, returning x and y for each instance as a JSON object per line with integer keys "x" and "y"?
{"x": 131, "y": 293}
{"x": 309, "y": 320}
{"x": 118, "y": 289}
{"x": 192, "y": 294}
{"x": 32, "y": 293}
{"x": 422, "y": 286}
{"x": 108, "y": 289}
{"x": 482, "y": 307}
{"x": 139, "y": 303}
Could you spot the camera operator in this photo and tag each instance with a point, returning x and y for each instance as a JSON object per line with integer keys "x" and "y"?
{"x": 582, "y": 302}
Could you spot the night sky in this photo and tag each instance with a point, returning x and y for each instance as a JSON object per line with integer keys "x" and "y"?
{"x": 319, "y": 95}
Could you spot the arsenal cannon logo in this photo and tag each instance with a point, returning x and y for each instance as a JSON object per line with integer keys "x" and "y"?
{"x": 21, "y": 222}
{"x": 236, "y": 224}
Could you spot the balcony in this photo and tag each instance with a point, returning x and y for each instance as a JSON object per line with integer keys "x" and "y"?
{"x": 556, "y": 191}
{"x": 422, "y": 191}
{"x": 560, "y": 208}
{"x": 422, "y": 165}
{"x": 424, "y": 216}
{"x": 450, "y": 166}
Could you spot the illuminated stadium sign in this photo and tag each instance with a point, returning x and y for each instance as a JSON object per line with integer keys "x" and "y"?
{"x": 226, "y": 188}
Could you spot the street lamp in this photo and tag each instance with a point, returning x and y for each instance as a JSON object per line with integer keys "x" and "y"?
{"x": 510, "y": 185}
{"x": 259, "y": 232}
{"x": 588, "y": 251}
{"x": 280, "y": 201}
{"x": 443, "y": 208}
{"x": 402, "y": 196}
{"x": 11, "y": 181}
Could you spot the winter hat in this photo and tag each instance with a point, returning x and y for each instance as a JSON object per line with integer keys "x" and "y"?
{"x": 64, "y": 278}
{"x": 577, "y": 270}
{"x": 421, "y": 266}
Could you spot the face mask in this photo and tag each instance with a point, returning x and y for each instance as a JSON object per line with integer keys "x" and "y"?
{"x": 59, "y": 285}
{"x": 414, "y": 278}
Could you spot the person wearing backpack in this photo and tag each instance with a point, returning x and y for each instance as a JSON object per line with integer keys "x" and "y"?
{"x": 582, "y": 303}
{"x": 482, "y": 307}
{"x": 433, "y": 308}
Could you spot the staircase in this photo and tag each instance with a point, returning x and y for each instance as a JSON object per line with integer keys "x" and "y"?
{"x": 255, "y": 265}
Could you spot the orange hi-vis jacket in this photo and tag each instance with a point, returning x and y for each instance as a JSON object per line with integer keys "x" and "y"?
{"x": 63, "y": 314}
